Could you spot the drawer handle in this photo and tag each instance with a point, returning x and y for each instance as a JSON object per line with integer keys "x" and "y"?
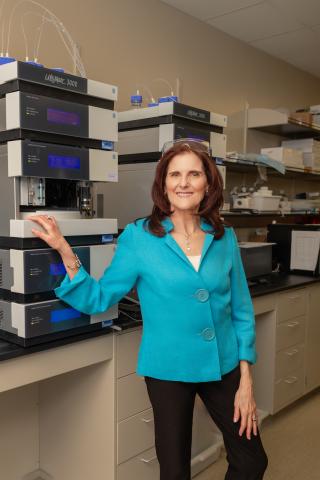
{"x": 147, "y": 420}
{"x": 296, "y": 297}
{"x": 146, "y": 460}
{"x": 293, "y": 352}
{"x": 292, "y": 324}
{"x": 292, "y": 380}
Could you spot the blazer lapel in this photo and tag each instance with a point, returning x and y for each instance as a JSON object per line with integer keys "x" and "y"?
{"x": 170, "y": 241}
{"x": 206, "y": 227}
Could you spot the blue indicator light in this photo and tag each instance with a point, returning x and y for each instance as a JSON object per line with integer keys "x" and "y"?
{"x": 62, "y": 117}
{"x": 107, "y": 238}
{"x": 61, "y": 161}
{"x": 106, "y": 145}
{"x": 57, "y": 269}
{"x": 64, "y": 314}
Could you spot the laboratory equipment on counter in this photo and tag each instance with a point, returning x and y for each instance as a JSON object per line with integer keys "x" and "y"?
{"x": 21, "y": 112}
{"x": 31, "y": 275}
{"x": 144, "y": 131}
{"x": 38, "y": 177}
{"x": 37, "y": 103}
{"x": 261, "y": 200}
{"x": 57, "y": 133}
{"x": 27, "y": 158}
{"x": 39, "y": 322}
{"x": 18, "y": 72}
{"x": 240, "y": 200}
{"x": 256, "y": 258}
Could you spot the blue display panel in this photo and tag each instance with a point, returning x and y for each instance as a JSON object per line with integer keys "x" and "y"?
{"x": 57, "y": 269}
{"x": 64, "y": 314}
{"x": 44, "y": 269}
{"x": 62, "y": 161}
{"x": 54, "y": 161}
{"x": 62, "y": 117}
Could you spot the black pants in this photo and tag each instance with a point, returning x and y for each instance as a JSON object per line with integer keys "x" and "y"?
{"x": 173, "y": 404}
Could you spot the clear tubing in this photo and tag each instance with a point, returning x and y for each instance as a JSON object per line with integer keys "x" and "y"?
{"x": 63, "y": 33}
{"x": 36, "y": 47}
{"x": 163, "y": 80}
{"x": 24, "y": 33}
{"x": 37, "y": 44}
{"x": 144, "y": 87}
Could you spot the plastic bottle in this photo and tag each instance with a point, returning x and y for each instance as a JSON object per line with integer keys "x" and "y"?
{"x": 136, "y": 100}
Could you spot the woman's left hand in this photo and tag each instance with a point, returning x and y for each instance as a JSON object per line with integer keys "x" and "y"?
{"x": 245, "y": 407}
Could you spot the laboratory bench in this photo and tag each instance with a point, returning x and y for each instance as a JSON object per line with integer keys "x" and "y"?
{"x": 74, "y": 409}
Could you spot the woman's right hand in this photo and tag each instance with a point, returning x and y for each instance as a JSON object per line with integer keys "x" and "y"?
{"x": 51, "y": 233}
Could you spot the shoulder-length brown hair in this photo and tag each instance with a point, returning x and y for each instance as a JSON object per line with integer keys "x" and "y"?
{"x": 210, "y": 204}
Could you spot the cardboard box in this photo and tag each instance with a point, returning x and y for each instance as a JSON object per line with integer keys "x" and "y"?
{"x": 290, "y": 157}
{"x": 304, "y": 117}
{"x": 305, "y": 144}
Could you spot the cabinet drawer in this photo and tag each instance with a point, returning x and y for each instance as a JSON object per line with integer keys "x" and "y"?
{"x": 290, "y": 332}
{"x": 288, "y": 389}
{"x": 135, "y": 435}
{"x": 142, "y": 467}
{"x": 132, "y": 396}
{"x": 291, "y": 304}
{"x": 289, "y": 360}
{"x": 264, "y": 304}
{"x": 127, "y": 352}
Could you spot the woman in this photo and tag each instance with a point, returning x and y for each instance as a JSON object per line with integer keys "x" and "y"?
{"x": 198, "y": 320}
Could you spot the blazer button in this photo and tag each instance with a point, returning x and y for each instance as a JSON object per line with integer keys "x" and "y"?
{"x": 208, "y": 334}
{"x": 202, "y": 295}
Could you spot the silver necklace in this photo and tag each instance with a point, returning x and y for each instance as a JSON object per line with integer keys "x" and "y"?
{"x": 187, "y": 237}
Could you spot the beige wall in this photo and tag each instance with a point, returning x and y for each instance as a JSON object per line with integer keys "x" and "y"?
{"x": 126, "y": 42}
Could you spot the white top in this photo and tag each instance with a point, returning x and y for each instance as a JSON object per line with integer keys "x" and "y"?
{"x": 195, "y": 260}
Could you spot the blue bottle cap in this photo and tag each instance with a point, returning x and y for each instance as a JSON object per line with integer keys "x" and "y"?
{"x": 4, "y": 60}
{"x": 171, "y": 98}
{"x": 136, "y": 99}
{"x": 35, "y": 64}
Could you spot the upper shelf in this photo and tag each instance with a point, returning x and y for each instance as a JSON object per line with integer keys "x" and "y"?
{"x": 241, "y": 166}
{"x": 279, "y": 123}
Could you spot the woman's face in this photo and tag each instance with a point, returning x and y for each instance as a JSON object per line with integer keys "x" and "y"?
{"x": 186, "y": 182}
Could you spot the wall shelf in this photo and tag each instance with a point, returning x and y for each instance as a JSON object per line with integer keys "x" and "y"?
{"x": 281, "y": 124}
{"x": 241, "y": 166}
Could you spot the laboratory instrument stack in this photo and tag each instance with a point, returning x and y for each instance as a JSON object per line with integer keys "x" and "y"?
{"x": 142, "y": 134}
{"x": 57, "y": 134}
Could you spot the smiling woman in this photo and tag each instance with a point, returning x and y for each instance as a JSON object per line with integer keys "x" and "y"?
{"x": 198, "y": 323}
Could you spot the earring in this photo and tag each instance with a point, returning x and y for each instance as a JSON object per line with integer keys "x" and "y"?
{"x": 207, "y": 191}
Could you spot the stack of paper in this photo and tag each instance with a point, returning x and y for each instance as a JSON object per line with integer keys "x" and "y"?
{"x": 305, "y": 246}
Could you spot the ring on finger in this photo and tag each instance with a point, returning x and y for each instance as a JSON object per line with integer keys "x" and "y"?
{"x": 49, "y": 217}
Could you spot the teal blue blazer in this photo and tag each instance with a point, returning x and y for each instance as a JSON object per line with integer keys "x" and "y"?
{"x": 197, "y": 325}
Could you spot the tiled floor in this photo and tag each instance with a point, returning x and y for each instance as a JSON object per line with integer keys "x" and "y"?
{"x": 292, "y": 441}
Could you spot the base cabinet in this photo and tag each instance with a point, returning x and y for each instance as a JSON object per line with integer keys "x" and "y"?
{"x": 313, "y": 339}
{"x": 136, "y": 456}
{"x": 79, "y": 411}
{"x": 288, "y": 337}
